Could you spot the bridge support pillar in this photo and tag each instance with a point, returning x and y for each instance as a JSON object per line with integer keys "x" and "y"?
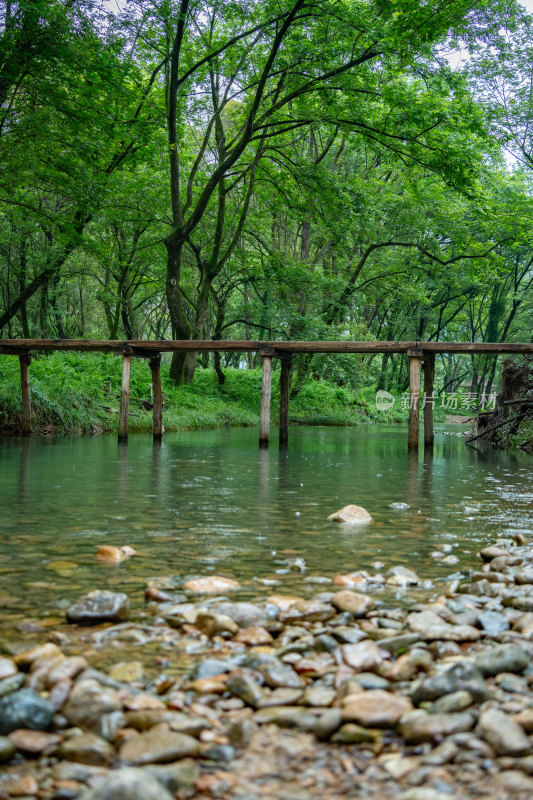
{"x": 284, "y": 391}
{"x": 429, "y": 374}
{"x": 124, "y": 399}
{"x": 25, "y": 417}
{"x": 414, "y": 398}
{"x": 157, "y": 397}
{"x": 266, "y": 392}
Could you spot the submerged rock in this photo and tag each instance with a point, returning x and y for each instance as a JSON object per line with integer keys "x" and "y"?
{"x": 100, "y": 606}
{"x": 351, "y": 514}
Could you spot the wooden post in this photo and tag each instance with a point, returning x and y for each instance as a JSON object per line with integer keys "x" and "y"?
{"x": 266, "y": 391}
{"x": 124, "y": 399}
{"x": 414, "y": 398}
{"x": 25, "y": 418}
{"x": 284, "y": 390}
{"x": 429, "y": 374}
{"x": 157, "y": 397}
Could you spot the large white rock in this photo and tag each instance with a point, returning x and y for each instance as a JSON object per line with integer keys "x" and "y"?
{"x": 353, "y": 515}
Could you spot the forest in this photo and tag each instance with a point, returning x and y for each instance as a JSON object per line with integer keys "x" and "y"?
{"x": 298, "y": 169}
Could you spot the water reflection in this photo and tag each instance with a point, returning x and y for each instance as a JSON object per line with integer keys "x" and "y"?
{"x": 213, "y": 502}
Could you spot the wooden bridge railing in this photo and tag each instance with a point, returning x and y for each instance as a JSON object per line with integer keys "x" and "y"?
{"x": 417, "y": 352}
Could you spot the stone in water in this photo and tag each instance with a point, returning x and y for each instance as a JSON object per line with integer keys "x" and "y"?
{"x": 351, "y": 514}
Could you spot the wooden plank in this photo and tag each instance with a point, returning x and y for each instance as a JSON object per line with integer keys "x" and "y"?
{"x": 266, "y": 391}
{"x": 146, "y": 348}
{"x": 25, "y": 417}
{"x": 414, "y": 402}
{"x": 124, "y": 399}
{"x": 157, "y": 397}
{"x": 284, "y": 391}
{"x": 429, "y": 376}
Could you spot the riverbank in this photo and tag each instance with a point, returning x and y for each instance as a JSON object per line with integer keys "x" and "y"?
{"x": 75, "y": 393}
{"x": 376, "y": 685}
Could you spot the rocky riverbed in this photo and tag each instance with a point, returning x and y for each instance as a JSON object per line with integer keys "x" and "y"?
{"x": 376, "y": 686}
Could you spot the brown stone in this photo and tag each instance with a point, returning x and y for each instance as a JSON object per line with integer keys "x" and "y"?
{"x": 25, "y": 660}
{"x": 159, "y": 745}
{"x": 87, "y": 748}
{"x": 375, "y": 708}
{"x": 253, "y": 636}
{"x": 362, "y": 656}
{"x": 351, "y": 514}
{"x": 33, "y": 741}
{"x": 353, "y": 602}
{"x": 213, "y": 584}
{"x": 112, "y": 554}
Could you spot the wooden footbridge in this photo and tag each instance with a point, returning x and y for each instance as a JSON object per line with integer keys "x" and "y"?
{"x": 420, "y": 354}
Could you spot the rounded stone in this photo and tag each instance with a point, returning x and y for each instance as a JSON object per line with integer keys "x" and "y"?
{"x": 25, "y": 709}
{"x": 351, "y": 514}
{"x": 7, "y": 749}
{"x": 99, "y": 606}
{"x": 128, "y": 784}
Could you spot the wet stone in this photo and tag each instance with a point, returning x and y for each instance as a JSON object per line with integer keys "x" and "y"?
{"x": 307, "y": 611}
{"x": 493, "y": 622}
{"x": 505, "y": 735}
{"x": 25, "y": 709}
{"x": 128, "y": 784}
{"x": 87, "y": 749}
{"x": 504, "y": 658}
{"x": 350, "y": 733}
{"x": 99, "y": 606}
{"x": 353, "y": 602}
{"x": 10, "y": 685}
{"x": 327, "y": 723}
{"x": 158, "y": 745}
{"x": 449, "y": 703}
{"x": 375, "y": 708}
{"x": 34, "y": 742}
{"x": 278, "y": 674}
{"x": 419, "y": 727}
{"x": 318, "y": 696}
{"x": 244, "y": 686}
{"x": 401, "y": 576}
{"x": 460, "y": 677}
{"x": 88, "y": 702}
{"x": 351, "y": 515}
{"x": 7, "y": 749}
{"x": 363, "y": 656}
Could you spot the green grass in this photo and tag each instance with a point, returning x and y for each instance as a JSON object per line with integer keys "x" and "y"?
{"x": 78, "y": 393}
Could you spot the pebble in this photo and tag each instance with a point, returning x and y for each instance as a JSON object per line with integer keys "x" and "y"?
{"x": 213, "y": 584}
{"x": 128, "y": 784}
{"x": 249, "y": 699}
{"x": 25, "y": 709}
{"x": 159, "y": 745}
{"x": 353, "y": 603}
{"x": 505, "y": 735}
{"x": 375, "y": 708}
{"x": 87, "y": 748}
{"x": 351, "y": 514}
{"x": 99, "y": 606}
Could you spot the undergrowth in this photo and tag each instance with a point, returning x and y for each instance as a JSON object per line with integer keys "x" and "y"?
{"x": 80, "y": 392}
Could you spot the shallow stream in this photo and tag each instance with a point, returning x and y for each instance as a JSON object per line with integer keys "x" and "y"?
{"x": 212, "y": 503}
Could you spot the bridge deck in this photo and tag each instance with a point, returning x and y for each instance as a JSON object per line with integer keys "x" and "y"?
{"x": 417, "y": 352}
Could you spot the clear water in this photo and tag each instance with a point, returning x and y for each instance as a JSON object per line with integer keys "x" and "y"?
{"x": 213, "y": 503}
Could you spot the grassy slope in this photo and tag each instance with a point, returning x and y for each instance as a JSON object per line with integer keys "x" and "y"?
{"x": 74, "y": 393}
